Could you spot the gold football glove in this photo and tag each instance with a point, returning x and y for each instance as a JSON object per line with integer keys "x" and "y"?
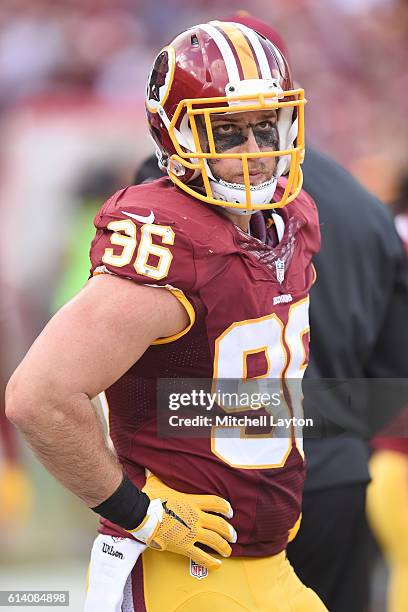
{"x": 177, "y": 522}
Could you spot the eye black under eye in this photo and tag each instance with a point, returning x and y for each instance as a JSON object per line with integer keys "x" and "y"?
{"x": 228, "y": 140}
{"x": 267, "y": 137}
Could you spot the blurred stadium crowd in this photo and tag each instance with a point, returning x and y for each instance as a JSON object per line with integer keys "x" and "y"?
{"x": 349, "y": 56}
{"x": 72, "y": 82}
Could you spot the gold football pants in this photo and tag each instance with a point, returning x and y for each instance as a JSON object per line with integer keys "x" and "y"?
{"x": 266, "y": 584}
{"x": 125, "y": 576}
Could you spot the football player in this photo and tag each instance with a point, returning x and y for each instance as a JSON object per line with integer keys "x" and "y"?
{"x": 205, "y": 275}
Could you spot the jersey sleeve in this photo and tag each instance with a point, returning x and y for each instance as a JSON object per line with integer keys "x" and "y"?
{"x": 138, "y": 242}
{"x": 142, "y": 244}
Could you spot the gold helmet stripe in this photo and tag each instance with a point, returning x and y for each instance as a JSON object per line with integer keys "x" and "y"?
{"x": 256, "y": 45}
{"x": 225, "y": 50}
{"x": 244, "y": 52}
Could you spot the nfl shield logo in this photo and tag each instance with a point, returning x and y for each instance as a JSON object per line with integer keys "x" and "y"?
{"x": 198, "y": 571}
{"x": 280, "y": 270}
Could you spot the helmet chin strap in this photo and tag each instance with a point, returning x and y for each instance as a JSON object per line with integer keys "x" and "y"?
{"x": 236, "y": 192}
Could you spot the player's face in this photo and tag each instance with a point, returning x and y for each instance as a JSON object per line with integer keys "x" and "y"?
{"x": 245, "y": 132}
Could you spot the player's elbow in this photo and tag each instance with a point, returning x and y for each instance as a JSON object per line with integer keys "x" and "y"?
{"x": 24, "y": 405}
{"x": 42, "y": 404}
{"x": 17, "y": 405}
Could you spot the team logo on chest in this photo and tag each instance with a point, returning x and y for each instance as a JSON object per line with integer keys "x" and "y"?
{"x": 198, "y": 571}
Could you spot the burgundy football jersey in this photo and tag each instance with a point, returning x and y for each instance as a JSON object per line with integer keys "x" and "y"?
{"x": 249, "y": 311}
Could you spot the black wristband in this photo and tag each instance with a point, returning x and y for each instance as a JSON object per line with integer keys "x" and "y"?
{"x": 126, "y": 507}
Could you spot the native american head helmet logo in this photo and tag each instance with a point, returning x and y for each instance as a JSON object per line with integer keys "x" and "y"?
{"x": 160, "y": 78}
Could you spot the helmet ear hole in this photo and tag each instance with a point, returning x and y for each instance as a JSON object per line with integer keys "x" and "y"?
{"x": 176, "y": 168}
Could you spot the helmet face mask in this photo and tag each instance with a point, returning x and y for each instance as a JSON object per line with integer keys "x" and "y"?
{"x": 182, "y": 126}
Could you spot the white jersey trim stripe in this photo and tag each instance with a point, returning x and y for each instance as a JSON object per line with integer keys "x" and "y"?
{"x": 258, "y": 50}
{"x": 225, "y": 50}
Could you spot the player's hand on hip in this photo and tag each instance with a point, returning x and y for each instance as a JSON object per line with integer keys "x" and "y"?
{"x": 177, "y": 522}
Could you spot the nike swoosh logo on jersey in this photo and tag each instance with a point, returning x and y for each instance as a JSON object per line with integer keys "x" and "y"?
{"x": 148, "y": 219}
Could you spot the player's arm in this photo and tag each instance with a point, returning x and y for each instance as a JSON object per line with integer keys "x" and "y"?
{"x": 89, "y": 344}
{"x": 83, "y": 350}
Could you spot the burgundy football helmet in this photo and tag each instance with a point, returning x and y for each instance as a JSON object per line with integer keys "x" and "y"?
{"x": 215, "y": 68}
